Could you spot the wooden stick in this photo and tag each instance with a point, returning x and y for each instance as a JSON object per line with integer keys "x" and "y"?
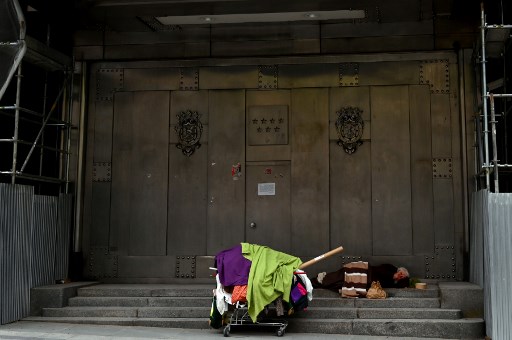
{"x": 321, "y": 257}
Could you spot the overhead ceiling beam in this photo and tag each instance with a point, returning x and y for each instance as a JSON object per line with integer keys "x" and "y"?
{"x": 261, "y": 17}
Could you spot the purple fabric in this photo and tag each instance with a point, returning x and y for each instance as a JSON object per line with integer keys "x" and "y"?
{"x": 297, "y": 292}
{"x": 232, "y": 266}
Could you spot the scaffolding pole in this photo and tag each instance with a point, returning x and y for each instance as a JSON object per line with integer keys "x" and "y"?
{"x": 494, "y": 144}
{"x": 14, "y": 172}
{"x": 16, "y": 126}
{"x": 486, "y": 165}
{"x": 484, "y": 96}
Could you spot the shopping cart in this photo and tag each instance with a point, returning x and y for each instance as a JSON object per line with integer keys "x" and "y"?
{"x": 274, "y": 314}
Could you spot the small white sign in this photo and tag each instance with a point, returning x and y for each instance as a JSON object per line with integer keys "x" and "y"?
{"x": 266, "y": 189}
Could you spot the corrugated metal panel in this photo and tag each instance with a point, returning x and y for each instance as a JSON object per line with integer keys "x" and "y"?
{"x": 479, "y": 249}
{"x": 43, "y": 240}
{"x": 490, "y": 253}
{"x": 478, "y": 218}
{"x": 16, "y": 204}
{"x": 62, "y": 239}
{"x": 34, "y": 245}
{"x": 499, "y": 271}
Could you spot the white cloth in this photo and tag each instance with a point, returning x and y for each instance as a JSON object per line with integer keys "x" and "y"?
{"x": 222, "y": 297}
{"x": 307, "y": 282}
{"x": 320, "y": 277}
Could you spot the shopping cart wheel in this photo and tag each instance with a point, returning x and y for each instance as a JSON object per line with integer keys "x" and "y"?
{"x": 280, "y": 332}
{"x": 226, "y": 330}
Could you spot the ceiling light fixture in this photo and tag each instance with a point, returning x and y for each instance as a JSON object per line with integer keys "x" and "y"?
{"x": 261, "y": 17}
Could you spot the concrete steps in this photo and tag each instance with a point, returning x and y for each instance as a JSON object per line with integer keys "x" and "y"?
{"x": 406, "y": 312}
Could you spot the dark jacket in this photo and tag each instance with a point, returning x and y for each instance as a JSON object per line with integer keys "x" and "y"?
{"x": 382, "y": 273}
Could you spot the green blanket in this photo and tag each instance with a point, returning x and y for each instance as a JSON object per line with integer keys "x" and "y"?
{"x": 270, "y": 276}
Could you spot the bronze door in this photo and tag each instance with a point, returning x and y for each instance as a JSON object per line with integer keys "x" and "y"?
{"x": 268, "y": 205}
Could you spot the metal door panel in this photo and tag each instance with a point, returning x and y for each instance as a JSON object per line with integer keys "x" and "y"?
{"x": 188, "y": 180}
{"x": 441, "y": 129}
{"x": 350, "y": 200}
{"x": 349, "y": 96}
{"x": 458, "y": 183}
{"x": 226, "y": 147}
{"x": 187, "y": 202}
{"x": 389, "y": 73}
{"x": 268, "y": 205}
{"x": 103, "y": 119}
{"x": 233, "y": 77}
{"x": 443, "y": 223}
{"x": 267, "y": 99}
{"x": 189, "y": 100}
{"x": 310, "y": 171}
{"x": 148, "y": 79}
{"x": 146, "y": 266}
{"x": 468, "y": 128}
{"x": 100, "y": 219}
{"x": 309, "y": 75}
{"x": 139, "y": 173}
{"x": 268, "y": 125}
{"x": 350, "y": 174}
{"x": 421, "y": 170}
{"x": 443, "y": 212}
{"x": 121, "y": 176}
{"x": 88, "y": 209}
{"x": 391, "y": 177}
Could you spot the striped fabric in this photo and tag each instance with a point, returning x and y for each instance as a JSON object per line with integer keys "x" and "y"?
{"x": 356, "y": 280}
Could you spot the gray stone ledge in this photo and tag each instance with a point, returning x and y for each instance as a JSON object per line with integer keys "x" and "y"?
{"x": 466, "y": 296}
{"x": 56, "y": 295}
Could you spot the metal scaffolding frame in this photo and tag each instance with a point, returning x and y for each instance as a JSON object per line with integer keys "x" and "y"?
{"x": 49, "y": 60}
{"x": 488, "y": 99}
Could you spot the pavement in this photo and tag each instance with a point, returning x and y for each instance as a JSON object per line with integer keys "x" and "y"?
{"x": 56, "y": 330}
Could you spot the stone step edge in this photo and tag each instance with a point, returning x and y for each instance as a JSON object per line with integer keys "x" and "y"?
{"x": 135, "y": 319}
{"x": 208, "y": 293}
{"x": 391, "y": 309}
{"x": 204, "y": 292}
{"x": 138, "y": 298}
{"x": 460, "y": 328}
{"x": 145, "y": 313}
